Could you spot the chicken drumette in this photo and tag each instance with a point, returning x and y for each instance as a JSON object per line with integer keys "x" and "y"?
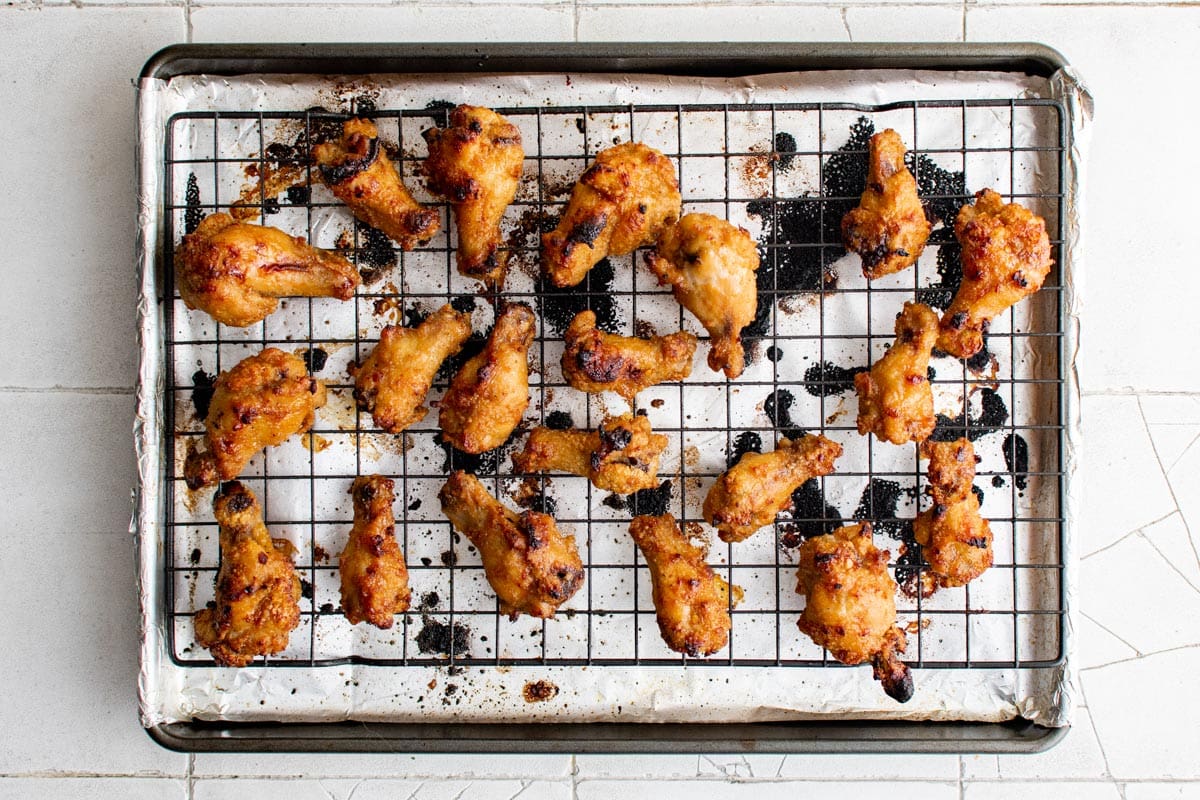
{"x": 532, "y": 567}
{"x": 489, "y": 394}
{"x": 851, "y": 605}
{"x": 259, "y": 403}
{"x": 621, "y": 202}
{"x": 895, "y": 400}
{"x": 956, "y": 541}
{"x": 475, "y": 163}
{"x": 888, "y": 229}
{"x": 257, "y": 600}
{"x": 710, "y": 264}
{"x": 595, "y": 361}
{"x": 393, "y": 380}
{"x": 692, "y": 602}
{"x": 374, "y": 577}
{"x": 1005, "y": 257}
{"x": 749, "y": 494}
{"x": 236, "y": 272}
{"x": 620, "y": 456}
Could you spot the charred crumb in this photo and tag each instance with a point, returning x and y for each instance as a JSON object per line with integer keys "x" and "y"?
{"x": 826, "y": 379}
{"x": 1016, "y": 459}
{"x": 451, "y": 689}
{"x": 270, "y": 206}
{"x": 463, "y": 303}
{"x": 202, "y": 392}
{"x": 426, "y": 561}
{"x": 438, "y": 637}
{"x": 997, "y": 481}
{"x": 643, "y": 329}
{"x": 429, "y": 601}
{"x": 657, "y": 402}
{"x": 194, "y": 558}
{"x": 746, "y": 442}
{"x": 375, "y": 253}
{"x": 975, "y": 490}
{"x": 327, "y": 608}
{"x": 909, "y": 566}
{"x": 485, "y": 463}
{"x": 991, "y": 418}
{"x": 314, "y": 359}
{"x": 580, "y": 125}
{"x": 439, "y": 111}
{"x": 363, "y": 105}
{"x": 878, "y": 505}
{"x": 778, "y": 408}
{"x": 615, "y": 502}
{"x": 539, "y": 691}
{"x": 298, "y": 195}
{"x": 320, "y": 554}
{"x": 559, "y": 421}
{"x": 785, "y": 149}
{"x": 414, "y": 505}
{"x": 558, "y": 307}
{"x": 811, "y": 515}
{"x": 774, "y": 354}
{"x": 789, "y": 538}
{"x": 449, "y": 558}
{"x": 191, "y": 196}
{"x": 306, "y": 589}
{"x": 653, "y": 502}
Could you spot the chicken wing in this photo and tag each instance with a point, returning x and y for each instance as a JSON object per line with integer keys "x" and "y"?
{"x": 235, "y": 272}
{"x": 595, "y": 361}
{"x": 532, "y": 567}
{"x": 391, "y": 383}
{"x": 895, "y": 400}
{"x": 257, "y": 602}
{"x": 620, "y": 456}
{"x": 956, "y": 541}
{"x": 751, "y": 492}
{"x": 487, "y": 397}
{"x": 692, "y": 602}
{"x": 259, "y": 403}
{"x": 358, "y": 171}
{"x": 374, "y": 577}
{"x": 622, "y": 201}
{"x": 710, "y": 265}
{"x": 475, "y": 163}
{"x": 851, "y": 605}
{"x": 888, "y": 229}
{"x": 1006, "y": 258}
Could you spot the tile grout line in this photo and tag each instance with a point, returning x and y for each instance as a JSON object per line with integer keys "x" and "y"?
{"x": 1167, "y": 480}
{"x": 187, "y": 20}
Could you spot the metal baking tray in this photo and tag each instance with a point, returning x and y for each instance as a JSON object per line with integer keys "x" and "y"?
{"x": 684, "y": 59}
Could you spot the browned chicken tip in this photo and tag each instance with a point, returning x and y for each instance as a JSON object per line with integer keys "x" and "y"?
{"x": 710, "y": 264}
{"x": 236, "y": 272}
{"x": 956, "y": 541}
{"x": 850, "y": 608}
{"x": 895, "y": 399}
{"x": 374, "y": 577}
{"x": 622, "y": 201}
{"x": 753, "y": 491}
{"x": 392, "y": 382}
{"x": 257, "y": 601}
{"x": 486, "y": 399}
{"x": 475, "y": 163}
{"x": 259, "y": 403}
{"x": 358, "y": 171}
{"x": 692, "y": 602}
{"x": 889, "y": 228}
{"x": 1005, "y": 257}
{"x": 531, "y": 566}
{"x": 595, "y": 361}
{"x": 620, "y": 456}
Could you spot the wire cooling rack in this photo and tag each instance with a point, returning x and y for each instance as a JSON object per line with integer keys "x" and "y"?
{"x": 787, "y": 172}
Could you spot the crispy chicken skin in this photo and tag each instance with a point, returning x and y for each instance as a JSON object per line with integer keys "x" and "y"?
{"x": 374, "y": 578}
{"x": 692, "y": 602}
{"x": 1006, "y": 258}
{"x": 358, "y": 171}
{"x": 956, "y": 541}
{"x": 235, "y": 272}
{"x": 532, "y": 567}
{"x": 895, "y": 400}
{"x": 391, "y": 383}
{"x": 888, "y": 229}
{"x": 475, "y": 163}
{"x": 710, "y": 265}
{"x": 259, "y": 403}
{"x": 620, "y": 456}
{"x": 487, "y": 397}
{"x": 749, "y": 494}
{"x": 622, "y": 201}
{"x": 595, "y": 361}
{"x": 257, "y": 601}
{"x": 851, "y": 605}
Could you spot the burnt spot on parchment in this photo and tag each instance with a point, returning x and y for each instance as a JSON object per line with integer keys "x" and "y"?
{"x": 654, "y": 502}
{"x": 878, "y": 504}
{"x": 826, "y": 378}
{"x": 784, "y": 151}
{"x": 992, "y": 416}
{"x": 191, "y": 197}
{"x": 746, "y": 442}
{"x": 1016, "y": 458}
{"x": 375, "y": 253}
{"x": 558, "y": 307}
{"x": 559, "y": 421}
{"x": 811, "y": 515}
{"x": 438, "y": 637}
{"x": 778, "y": 407}
{"x": 314, "y": 359}
{"x": 202, "y": 392}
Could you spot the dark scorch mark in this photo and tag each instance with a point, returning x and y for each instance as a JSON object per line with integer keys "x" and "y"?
{"x": 191, "y": 196}
{"x": 314, "y": 359}
{"x": 811, "y": 515}
{"x": 778, "y": 407}
{"x": 202, "y": 392}
{"x": 1016, "y": 458}
{"x": 825, "y": 379}
{"x": 785, "y": 151}
{"x": 878, "y": 505}
{"x": 651, "y": 501}
{"x": 559, "y": 421}
{"x": 375, "y": 253}
{"x": 746, "y": 442}
{"x": 991, "y": 418}
{"x": 438, "y": 637}
{"x": 559, "y": 306}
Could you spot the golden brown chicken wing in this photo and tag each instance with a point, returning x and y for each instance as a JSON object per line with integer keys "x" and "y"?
{"x": 358, "y": 171}
{"x": 710, "y": 266}
{"x": 622, "y": 201}
{"x": 374, "y": 577}
{"x": 393, "y": 380}
{"x": 620, "y": 456}
{"x": 259, "y": 403}
{"x": 487, "y": 397}
{"x": 851, "y": 605}
{"x": 888, "y": 229}
{"x": 1006, "y": 258}
{"x": 895, "y": 400}
{"x": 236, "y": 272}
{"x": 751, "y": 492}
{"x": 257, "y": 601}
{"x": 475, "y": 163}
{"x": 532, "y": 567}
{"x": 692, "y": 602}
{"x": 595, "y": 361}
{"x": 956, "y": 541}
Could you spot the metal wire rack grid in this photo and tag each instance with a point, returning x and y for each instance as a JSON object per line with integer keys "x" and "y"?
{"x": 1016, "y": 608}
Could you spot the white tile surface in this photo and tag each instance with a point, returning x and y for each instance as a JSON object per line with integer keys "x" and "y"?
{"x": 408, "y": 766}
{"x": 92, "y": 788}
{"x": 734, "y": 23}
{"x": 1096, "y": 646}
{"x": 1175, "y": 542}
{"x": 905, "y": 23}
{"x": 1161, "y": 791}
{"x": 345, "y": 789}
{"x": 758, "y": 790}
{"x": 870, "y": 767}
{"x": 1077, "y": 757}
{"x": 1041, "y": 791}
